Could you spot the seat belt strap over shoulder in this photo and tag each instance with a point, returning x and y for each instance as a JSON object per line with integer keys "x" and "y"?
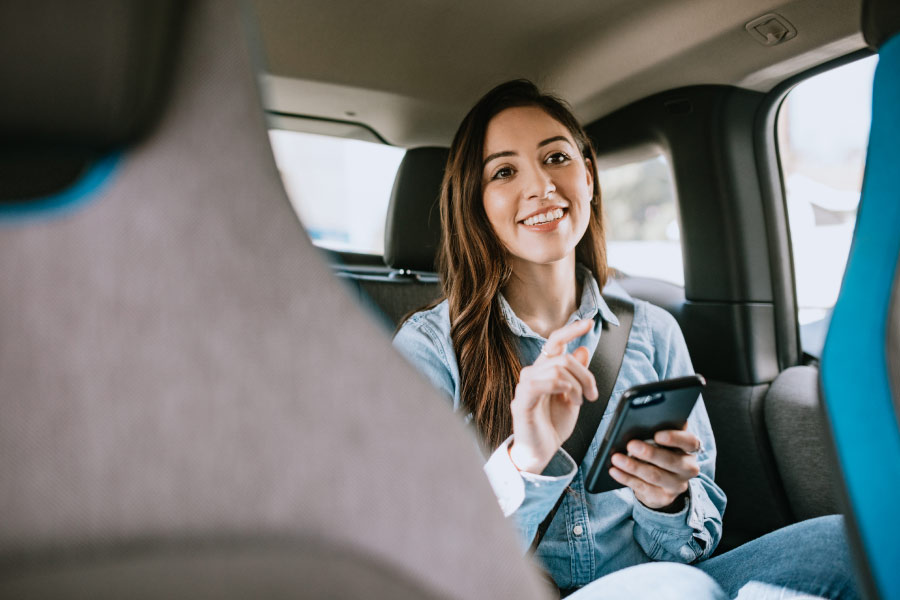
{"x": 605, "y": 366}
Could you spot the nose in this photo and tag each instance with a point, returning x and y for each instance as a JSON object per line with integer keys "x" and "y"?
{"x": 538, "y": 183}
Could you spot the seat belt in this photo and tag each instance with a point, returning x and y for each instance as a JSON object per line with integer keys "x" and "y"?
{"x": 604, "y": 366}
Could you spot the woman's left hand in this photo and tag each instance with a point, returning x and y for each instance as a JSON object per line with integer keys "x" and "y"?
{"x": 659, "y": 475}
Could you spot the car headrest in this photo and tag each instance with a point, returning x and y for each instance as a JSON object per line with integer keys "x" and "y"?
{"x": 880, "y": 21}
{"x": 188, "y": 390}
{"x": 83, "y": 82}
{"x": 412, "y": 231}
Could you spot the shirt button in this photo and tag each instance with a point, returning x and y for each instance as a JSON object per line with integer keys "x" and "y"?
{"x": 578, "y": 530}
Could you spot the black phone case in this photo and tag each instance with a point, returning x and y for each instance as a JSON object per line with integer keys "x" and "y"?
{"x": 642, "y": 411}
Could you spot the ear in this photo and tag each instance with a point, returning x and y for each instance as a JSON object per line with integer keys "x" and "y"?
{"x": 589, "y": 168}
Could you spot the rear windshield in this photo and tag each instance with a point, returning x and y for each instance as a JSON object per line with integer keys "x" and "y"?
{"x": 339, "y": 187}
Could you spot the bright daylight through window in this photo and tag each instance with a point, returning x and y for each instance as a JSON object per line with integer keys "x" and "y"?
{"x": 340, "y": 188}
{"x": 643, "y": 237}
{"x": 823, "y": 129}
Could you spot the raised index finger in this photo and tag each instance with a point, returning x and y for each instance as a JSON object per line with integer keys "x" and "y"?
{"x": 556, "y": 343}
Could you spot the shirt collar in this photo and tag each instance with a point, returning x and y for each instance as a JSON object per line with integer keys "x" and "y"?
{"x": 592, "y": 306}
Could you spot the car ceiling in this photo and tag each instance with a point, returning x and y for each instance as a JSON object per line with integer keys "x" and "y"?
{"x": 410, "y": 69}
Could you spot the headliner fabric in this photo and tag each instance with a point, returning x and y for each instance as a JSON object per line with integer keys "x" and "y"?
{"x": 798, "y": 434}
{"x": 855, "y": 379}
{"x": 412, "y": 231}
{"x": 178, "y": 364}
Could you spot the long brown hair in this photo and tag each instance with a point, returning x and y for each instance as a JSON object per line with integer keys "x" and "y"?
{"x": 473, "y": 263}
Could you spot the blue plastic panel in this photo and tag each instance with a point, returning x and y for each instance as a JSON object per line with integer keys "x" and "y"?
{"x": 854, "y": 363}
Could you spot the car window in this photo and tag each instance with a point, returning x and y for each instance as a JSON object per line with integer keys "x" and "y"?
{"x": 642, "y": 233}
{"x": 823, "y": 129}
{"x": 340, "y": 188}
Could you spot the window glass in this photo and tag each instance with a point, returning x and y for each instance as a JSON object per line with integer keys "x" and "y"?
{"x": 643, "y": 237}
{"x": 339, "y": 187}
{"x": 823, "y": 129}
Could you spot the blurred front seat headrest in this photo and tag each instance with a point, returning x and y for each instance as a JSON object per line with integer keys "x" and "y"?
{"x": 79, "y": 79}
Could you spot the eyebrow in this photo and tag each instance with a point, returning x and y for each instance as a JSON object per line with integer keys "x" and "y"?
{"x": 550, "y": 140}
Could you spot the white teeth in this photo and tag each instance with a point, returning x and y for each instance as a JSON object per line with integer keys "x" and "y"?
{"x": 550, "y": 215}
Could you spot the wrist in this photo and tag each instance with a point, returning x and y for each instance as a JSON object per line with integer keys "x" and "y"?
{"x": 676, "y": 506}
{"x": 526, "y": 460}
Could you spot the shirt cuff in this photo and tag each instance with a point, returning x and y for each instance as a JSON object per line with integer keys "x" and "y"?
{"x": 686, "y": 518}
{"x": 512, "y": 487}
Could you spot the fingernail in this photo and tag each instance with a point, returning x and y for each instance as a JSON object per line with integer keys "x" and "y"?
{"x": 617, "y": 460}
{"x": 664, "y": 437}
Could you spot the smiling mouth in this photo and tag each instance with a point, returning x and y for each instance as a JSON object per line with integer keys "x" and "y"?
{"x": 554, "y": 214}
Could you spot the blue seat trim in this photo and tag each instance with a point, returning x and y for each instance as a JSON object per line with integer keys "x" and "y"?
{"x": 87, "y": 187}
{"x": 855, "y": 379}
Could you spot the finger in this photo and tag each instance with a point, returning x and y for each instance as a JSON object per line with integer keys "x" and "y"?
{"x": 561, "y": 370}
{"x": 684, "y": 466}
{"x": 579, "y": 370}
{"x": 582, "y": 355}
{"x": 649, "y": 473}
{"x": 530, "y": 392}
{"x": 556, "y": 343}
{"x": 674, "y": 438}
{"x": 647, "y": 492}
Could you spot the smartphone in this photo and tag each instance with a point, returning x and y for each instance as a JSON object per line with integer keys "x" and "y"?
{"x": 643, "y": 410}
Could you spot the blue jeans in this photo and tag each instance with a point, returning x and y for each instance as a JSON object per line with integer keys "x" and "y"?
{"x": 807, "y": 558}
{"x": 810, "y": 557}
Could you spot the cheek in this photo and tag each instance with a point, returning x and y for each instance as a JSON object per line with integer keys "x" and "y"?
{"x": 495, "y": 209}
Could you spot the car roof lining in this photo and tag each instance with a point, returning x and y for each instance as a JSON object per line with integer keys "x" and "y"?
{"x": 410, "y": 69}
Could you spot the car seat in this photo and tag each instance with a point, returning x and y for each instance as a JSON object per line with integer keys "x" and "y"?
{"x": 192, "y": 405}
{"x": 861, "y": 362}
{"x": 411, "y": 237}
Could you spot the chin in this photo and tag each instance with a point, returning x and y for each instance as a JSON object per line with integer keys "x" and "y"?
{"x": 545, "y": 258}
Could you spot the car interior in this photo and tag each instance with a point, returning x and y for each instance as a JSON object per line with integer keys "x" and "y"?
{"x": 200, "y": 401}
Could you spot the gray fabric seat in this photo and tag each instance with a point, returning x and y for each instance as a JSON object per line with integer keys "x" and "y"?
{"x": 798, "y": 433}
{"x": 192, "y": 405}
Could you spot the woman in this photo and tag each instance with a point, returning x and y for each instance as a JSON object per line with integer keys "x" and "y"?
{"x": 522, "y": 262}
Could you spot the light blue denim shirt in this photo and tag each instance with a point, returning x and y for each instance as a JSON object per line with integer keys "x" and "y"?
{"x": 592, "y": 534}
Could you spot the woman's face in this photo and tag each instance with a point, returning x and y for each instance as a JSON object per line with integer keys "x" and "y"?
{"x": 537, "y": 186}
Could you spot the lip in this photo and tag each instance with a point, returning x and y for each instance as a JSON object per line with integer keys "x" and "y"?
{"x": 542, "y": 210}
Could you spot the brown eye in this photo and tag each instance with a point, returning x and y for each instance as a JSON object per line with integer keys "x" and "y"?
{"x": 502, "y": 173}
{"x": 557, "y": 158}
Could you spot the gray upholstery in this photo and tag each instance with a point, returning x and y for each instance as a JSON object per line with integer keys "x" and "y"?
{"x": 394, "y": 298}
{"x": 745, "y": 466}
{"x": 305, "y": 569}
{"x": 182, "y": 374}
{"x": 413, "y": 227}
{"x": 799, "y": 435}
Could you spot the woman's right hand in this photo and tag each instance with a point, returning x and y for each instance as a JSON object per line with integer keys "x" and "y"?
{"x": 548, "y": 397}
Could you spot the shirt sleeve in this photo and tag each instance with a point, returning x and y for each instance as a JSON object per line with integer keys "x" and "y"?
{"x": 526, "y": 498}
{"x": 693, "y": 533}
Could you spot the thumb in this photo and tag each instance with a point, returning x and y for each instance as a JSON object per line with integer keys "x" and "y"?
{"x": 581, "y": 355}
